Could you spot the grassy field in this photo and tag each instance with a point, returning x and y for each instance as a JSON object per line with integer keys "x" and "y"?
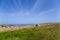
{"x": 48, "y": 32}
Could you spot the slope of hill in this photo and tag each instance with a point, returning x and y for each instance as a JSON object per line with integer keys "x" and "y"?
{"x": 47, "y": 32}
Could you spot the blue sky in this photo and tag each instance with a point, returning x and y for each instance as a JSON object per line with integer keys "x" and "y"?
{"x": 29, "y": 11}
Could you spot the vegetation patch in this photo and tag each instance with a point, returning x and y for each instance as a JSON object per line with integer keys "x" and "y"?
{"x": 49, "y": 32}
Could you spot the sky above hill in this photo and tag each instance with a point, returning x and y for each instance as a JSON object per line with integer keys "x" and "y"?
{"x": 29, "y": 11}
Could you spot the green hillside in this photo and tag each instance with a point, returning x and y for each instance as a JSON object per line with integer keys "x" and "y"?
{"x": 48, "y": 32}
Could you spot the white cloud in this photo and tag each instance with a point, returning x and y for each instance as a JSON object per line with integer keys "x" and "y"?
{"x": 47, "y": 11}
{"x": 38, "y": 4}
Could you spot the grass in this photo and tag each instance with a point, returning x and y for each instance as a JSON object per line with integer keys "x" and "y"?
{"x": 49, "y": 32}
